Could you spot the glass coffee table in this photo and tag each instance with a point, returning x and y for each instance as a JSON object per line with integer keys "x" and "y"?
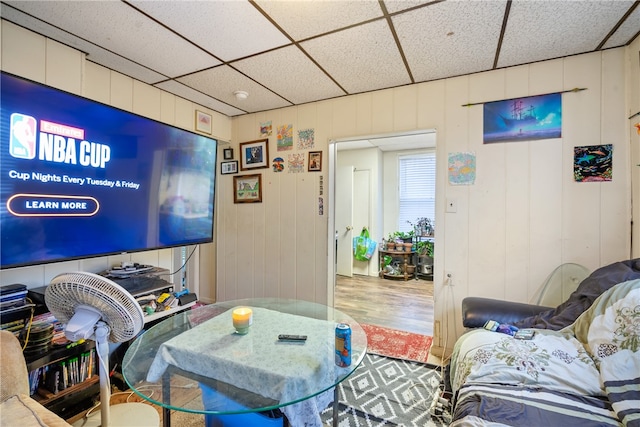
{"x": 195, "y": 361}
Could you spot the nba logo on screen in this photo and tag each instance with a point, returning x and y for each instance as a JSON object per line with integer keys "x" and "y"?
{"x": 23, "y": 136}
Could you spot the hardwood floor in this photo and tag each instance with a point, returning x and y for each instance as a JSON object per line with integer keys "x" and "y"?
{"x": 407, "y": 306}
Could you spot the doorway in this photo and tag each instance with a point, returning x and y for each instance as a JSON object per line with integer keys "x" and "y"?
{"x": 362, "y": 198}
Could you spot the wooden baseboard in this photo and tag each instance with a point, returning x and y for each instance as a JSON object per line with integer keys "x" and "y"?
{"x": 441, "y": 352}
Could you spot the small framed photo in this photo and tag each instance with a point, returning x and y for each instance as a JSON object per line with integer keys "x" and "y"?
{"x": 315, "y": 161}
{"x": 247, "y": 188}
{"x": 229, "y": 167}
{"x": 203, "y": 122}
{"x": 227, "y": 153}
{"x": 254, "y": 154}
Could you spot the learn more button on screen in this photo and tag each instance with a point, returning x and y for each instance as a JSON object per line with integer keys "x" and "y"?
{"x": 52, "y": 205}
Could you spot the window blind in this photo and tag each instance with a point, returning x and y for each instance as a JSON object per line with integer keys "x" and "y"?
{"x": 417, "y": 188}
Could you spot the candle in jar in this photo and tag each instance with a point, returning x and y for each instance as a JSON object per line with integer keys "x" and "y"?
{"x": 242, "y": 319}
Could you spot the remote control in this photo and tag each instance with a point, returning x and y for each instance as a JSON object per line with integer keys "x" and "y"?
{"x": 285, "y": 337}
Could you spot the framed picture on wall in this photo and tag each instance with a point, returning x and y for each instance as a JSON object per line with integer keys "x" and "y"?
{"x": 247, "y": 188}
{"x": 254, "y": 154}
{"x": 229, "y": 167}
{"x": 203, "y": 122}
{"x": 227, "y": 153}
{"x": 315, "y": 161}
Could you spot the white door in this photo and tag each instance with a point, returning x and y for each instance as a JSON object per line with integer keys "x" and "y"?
{"x": 344, "y": 221}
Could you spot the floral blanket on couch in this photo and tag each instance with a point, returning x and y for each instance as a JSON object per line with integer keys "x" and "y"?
{"x": 587, "y": 374}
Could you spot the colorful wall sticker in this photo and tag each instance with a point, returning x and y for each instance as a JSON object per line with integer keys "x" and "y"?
{"x": 285, "y": 138}
{"x": 593, "y": 163}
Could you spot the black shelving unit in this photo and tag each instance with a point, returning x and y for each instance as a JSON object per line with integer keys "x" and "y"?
{"x": 72, "y": 400}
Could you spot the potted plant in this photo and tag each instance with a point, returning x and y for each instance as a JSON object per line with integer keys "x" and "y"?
{"x": 423, "y": 227}
{"x": 425, "y": 256}
{"x": 404, "y": 236}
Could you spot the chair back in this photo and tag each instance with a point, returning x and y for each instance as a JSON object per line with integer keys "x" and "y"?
{"x": 14, "y": 378}
{"x": 560, "y": 284}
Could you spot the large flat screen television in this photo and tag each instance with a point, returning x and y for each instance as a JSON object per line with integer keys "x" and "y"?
{"x": 82, "y": 179}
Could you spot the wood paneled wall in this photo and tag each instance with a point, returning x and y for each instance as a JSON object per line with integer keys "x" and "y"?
{"x": 524, "y": 216}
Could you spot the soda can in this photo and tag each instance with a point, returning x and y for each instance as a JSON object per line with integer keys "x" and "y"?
{"x": 343, "y": 345}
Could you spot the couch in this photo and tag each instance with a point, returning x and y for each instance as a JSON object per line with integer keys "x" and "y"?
{"x": 17, "y": 408}
{"x": 582, "y": 367}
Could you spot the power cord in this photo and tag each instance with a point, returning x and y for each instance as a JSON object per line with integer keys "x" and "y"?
{"x": 29, "y": 325}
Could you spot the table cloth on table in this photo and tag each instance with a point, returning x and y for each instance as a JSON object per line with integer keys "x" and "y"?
{"x": 258, "y": 362}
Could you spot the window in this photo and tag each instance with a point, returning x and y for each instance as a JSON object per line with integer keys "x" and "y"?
{"x": 417, "y": 182}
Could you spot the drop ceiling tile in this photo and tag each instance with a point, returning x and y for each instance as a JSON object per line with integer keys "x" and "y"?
{"x": 221, "y": 82}
{"x": 94, "y": 53}
{"x": 304, "y": 19}
{"x": 128, "y": 33}
{"x": 186, "y": 92}
{"x": 227, "y": 29}
{"x": 542, "y": 30}
{"x": 450, "y": 38}
{"x": 291, "y": 74}
{"x": 398, "y": 5}
{"x": 626, "y": 32}
{"x": 360, "y": 59}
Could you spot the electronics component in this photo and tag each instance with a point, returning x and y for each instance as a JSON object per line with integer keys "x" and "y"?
{"x": 286, "y": 337}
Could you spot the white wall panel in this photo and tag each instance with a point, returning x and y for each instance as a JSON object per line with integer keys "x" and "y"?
{"x": 405, "y": 108}
{"x": 518, "y": 169}
{"x": 381, "y": 112}
{"x": 23, "y": 52}
{"x": 344, "y": 116}
{"x": 147, "y": 100}
{"x": 167, "y": 108}
{"x": 632, "y": 72}
{"x": 304, "y": 241}
{"x": 364, "y": 114}
{"x": 97, "y": 82}
{"x": 64, "y": 67}
{"x": 488, "y": 200}
{"x": 429, "y": 109}
{"x": 546, "y": 166}
{"x": 121, "y": 91}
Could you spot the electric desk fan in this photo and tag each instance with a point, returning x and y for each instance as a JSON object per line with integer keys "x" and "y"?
{"x": 94, "y": 307}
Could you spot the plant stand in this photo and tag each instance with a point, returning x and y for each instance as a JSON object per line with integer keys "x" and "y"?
{"x": 408, "y": 258}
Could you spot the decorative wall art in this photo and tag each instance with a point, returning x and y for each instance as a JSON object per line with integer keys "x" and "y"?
{"x": 285, "y": 138}
{"x": 247, "y": 188}
{"x": 203, "y": 122}
{"x": 278, "y": 164}
{"x": 296, "y": 163}
{"x": 315, "y": 161}
{"x": 227, "y": 153}
{"x": 523, "y": 119}
{"x": 254, "y": 154}
{"x": 462, "y": 168}
{"x": 593, "y": 163}
{"x": 229, "y": 167}
{"x": 306, "y": 139}
{"x": 265, "y": 128}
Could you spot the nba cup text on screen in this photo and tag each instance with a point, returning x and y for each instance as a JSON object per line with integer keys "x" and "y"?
{"x": 51, "y": 177}
{"x": 57, "y": 143}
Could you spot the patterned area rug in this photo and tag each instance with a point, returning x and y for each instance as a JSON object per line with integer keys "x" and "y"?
{"x": 388, "y": 392}
{"x": 398, "y": 344}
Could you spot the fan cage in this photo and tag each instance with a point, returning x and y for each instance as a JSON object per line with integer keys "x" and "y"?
{"x": 118, "y": 308}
